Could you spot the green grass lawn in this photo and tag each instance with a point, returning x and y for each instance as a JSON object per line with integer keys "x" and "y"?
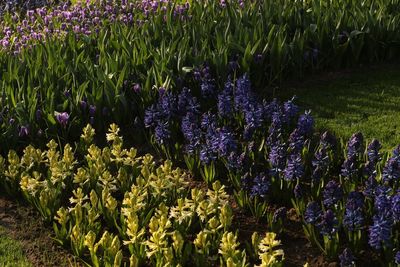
{"x": 11, "y": 253}
{"x": 366, "y": 100}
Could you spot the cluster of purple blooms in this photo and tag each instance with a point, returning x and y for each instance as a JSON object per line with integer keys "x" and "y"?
{"x": 227, "y": 131}
{"x": 85, "y": 18}
{"x": 383, "y": 193}
{"x": 325, "y": 221}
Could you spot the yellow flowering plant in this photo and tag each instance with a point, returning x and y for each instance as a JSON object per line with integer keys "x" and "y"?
{"x": 114, "y": 205}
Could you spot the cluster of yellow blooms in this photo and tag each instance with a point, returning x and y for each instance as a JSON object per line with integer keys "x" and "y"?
{"x": 114, "y": 201}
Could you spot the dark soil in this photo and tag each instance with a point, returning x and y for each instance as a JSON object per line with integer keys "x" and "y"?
{"x": 24, "y": 225}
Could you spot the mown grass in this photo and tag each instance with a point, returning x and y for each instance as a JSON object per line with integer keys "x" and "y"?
{"x": 11, "y": 252}
{"x": 366, "y": 100}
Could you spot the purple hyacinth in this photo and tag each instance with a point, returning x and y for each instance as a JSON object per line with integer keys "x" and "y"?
{"x": 62, "y": 119}
{"x": 167, "y": 105}
{"x": 277, "y": 157}
{"x": 298, "y": 191}
{"x": 380, "y": 232}
{"x": 243, "y": 95}
{"x": 279, "y": 214}
{"x": 271, "y": 108}
{"x": 333, "y": 193}
{"x": 191, "y": 131}
{"x": 296, "y": 141}
{"x": 320, "y": 164}
{"x": 260, "y": 186}
{"x": 355, "y": 145}
{"x": 254, "y": 115}
{"x": 225, "y": 107}
{"x": 397, "y": 257}
{"x": 373, "y": 151}
{"x": 226, "y": 142}
{"x": 235, "y": 161}
{"x": 187, "y": 103}
{"x": 208, "y": 121}
{"x": 391, "y": 171}
{"x": 151, "y": 116}
{"x": 396, "y": 207}
{"x": 327, "y": 140}
{"x": 355, "y": 200}
{"x": 312, "y": 213}
{"x": 370, "y": 187}
{"x": 347, "y": 258}
{"x": 290, "y": 109}
{"x": 305, "y": 123}
{"x": 383, "y": 205}
{"x": 328, "y": 224}
{"x": 208, "y": 88}
{"x": 294, "y": 168}
{"x": 349, "y": 167}
{"x": 207, "y": 154}
{"x": 353, "y": 218}
{"x": 369, "y": 169}
{"x": 162, "y": 132}
{"x": 354, "y": 149}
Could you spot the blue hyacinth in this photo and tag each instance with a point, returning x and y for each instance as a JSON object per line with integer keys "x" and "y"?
{"x": 354, "y": 149}
{"x": 373, "y": 151}
{"x": 226, "y": 142}
{"x": 347, "y": 258}
{"x": 355, "y": 144}
{"x": 208, "y": 121}
{"x": 327, "y": 140}
{"x": 225, "y": 106}
{"x": 242, "y": 93}
{"x": 296, "y": 141}
{"x": 380, "y": 232}
{"x": 383, "y": 205}
{"x": 235, "y": 161}
{"x": 333, "y": 193}
{"x": 370, "y": 187}
{"x": 277, "y": 157}
{"x": 294, "y": 168}
{"x": 397, "y": 257}
{"x": 151, "y": 116}
{"x": 191, "y": 131}
{"x": 298, "y": 191}
{"x": 270, "y": 108}
{"x": 187, "y": 103}
{"x": 396, "y": 207}
{"x": 328, "y": 224}
{"x": 290, "y": 109}
{"x": 260, "y": 186}
{"x": 312, "y": 213}
{"x": 208, "y": 88}
{"x": 305, "y": 123}
{"x": 391, "y": 171}
{"x": 162, "y": 132}
{"x": 207, "y": 154}
{"x": 349, "y": 167}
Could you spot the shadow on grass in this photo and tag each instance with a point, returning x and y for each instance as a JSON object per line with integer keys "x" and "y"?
{"x": 366, "y": 100}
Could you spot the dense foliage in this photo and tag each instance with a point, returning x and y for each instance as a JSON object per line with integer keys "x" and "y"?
{"x": 345, "y": 195}
{"x": 120, "y": 203}
{"x": 97, "y": 53}
{"x": 177, "y": 75}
